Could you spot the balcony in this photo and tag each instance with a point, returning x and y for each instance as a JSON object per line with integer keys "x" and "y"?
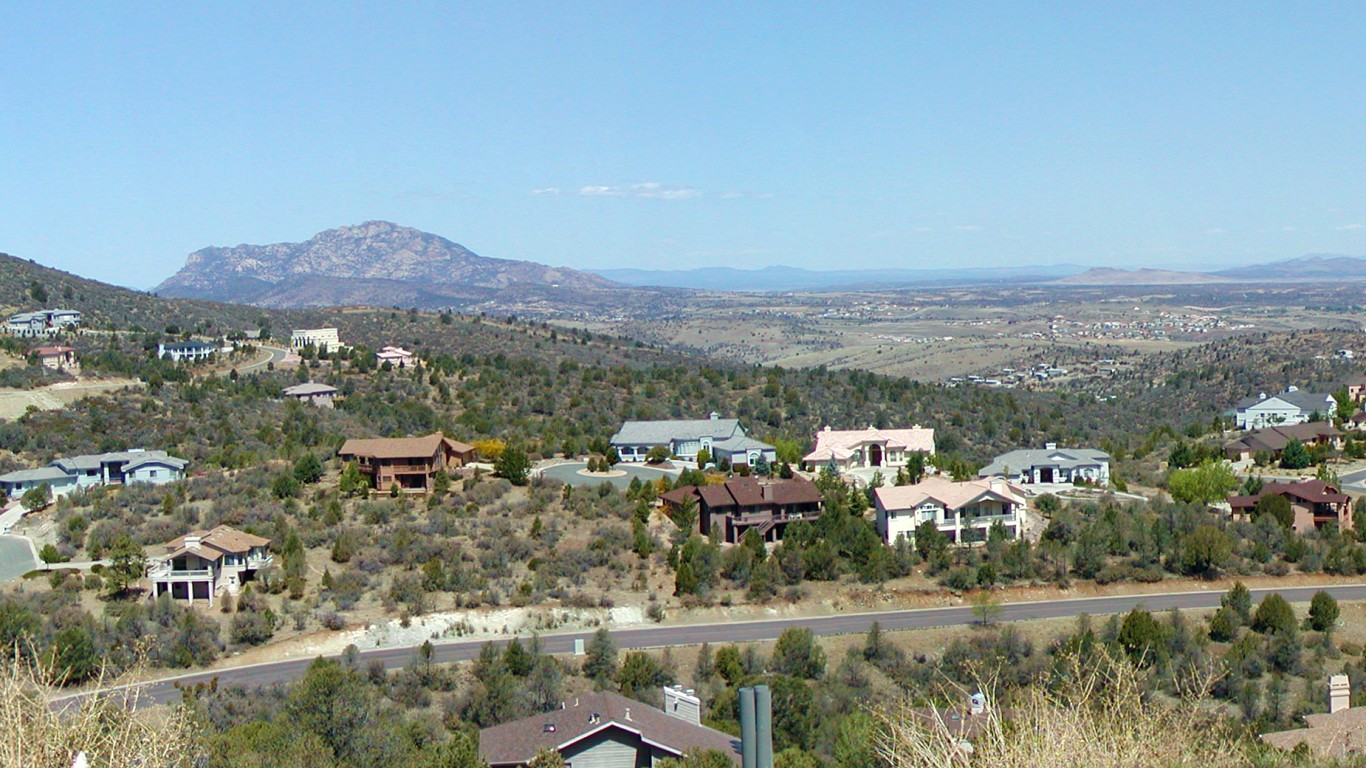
{"x": 165, "y": 572}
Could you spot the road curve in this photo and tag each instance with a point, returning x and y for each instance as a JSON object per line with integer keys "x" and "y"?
{"x": 276, "y": 355}
{"x": 165, "y": 689}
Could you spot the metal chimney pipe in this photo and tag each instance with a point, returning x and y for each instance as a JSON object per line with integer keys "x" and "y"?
{"x": 749, "y": 741}
{"x": 763, "y": 724}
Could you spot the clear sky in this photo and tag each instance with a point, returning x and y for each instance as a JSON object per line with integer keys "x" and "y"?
{"x": 649, "y": 134}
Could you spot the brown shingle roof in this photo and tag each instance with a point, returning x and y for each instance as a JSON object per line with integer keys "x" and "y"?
{"x": 1338, "y": 735}
{"x": 223, "y": 539}
{"x": 517, "y": 742}
{"x": 1312, "y": 491}
{"x": 401, "y": 447}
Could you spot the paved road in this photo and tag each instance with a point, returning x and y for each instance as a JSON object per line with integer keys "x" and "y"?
{"x": 16, "y": 557}
{"x": 276, "y": 355}
{"x": 1354, "y": 481}
{"x": 164, "y": 690}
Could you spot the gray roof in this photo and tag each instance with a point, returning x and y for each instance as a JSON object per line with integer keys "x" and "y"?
{"x": 188, "y": 346}
{"x": 517, "y": 742}
{"x": 1028, "y": 458}
{"x": 310, "y": 388}
{"x": 661, "y": 432}
{"x": 39, "y": 475}
{"x": 130, "y": 459}
{"x": 741, "y": 443}
{"x": 1306, "y": 401}
{"x": 162, "y": 460}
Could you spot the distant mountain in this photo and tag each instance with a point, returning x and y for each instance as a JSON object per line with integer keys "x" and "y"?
{"x": 376, "y": 263}
{"x": 796, "y": 279}
{"x": 1109, "y": 276}
{"x": 1314, "y": 266}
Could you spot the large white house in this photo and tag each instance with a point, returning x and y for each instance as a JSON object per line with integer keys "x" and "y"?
{"x": 964, "y": 512}
{"x": 183, "y": 351}
{"x": 198, "y": 566}
{"x": 41, "y": 323}
{"x": 323, "y": 339}
{"x": 87, "y": 471}
{"x": 1292, "y": 406}
{"x": 1051, "y": 465}
{"x": 722, "y": 438}
{"x": 848, "y": 449}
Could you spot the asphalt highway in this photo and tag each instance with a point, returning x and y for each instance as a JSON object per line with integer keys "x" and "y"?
{"x": 166, "y": 690}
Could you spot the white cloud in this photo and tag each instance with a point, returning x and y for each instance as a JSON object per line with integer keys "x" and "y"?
{"x": 546, "y": 191}
{"x": 652, "y": 190}
{"x": 1350, "y": 227}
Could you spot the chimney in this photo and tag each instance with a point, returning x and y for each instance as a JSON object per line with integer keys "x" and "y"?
{"x": 714, "y": 415}
{"x": 1050, "y": 446}
{"x": 193, "y": 541}
{"x": 1339, "y": 694}
{"x": 682, "y": 704}
{"x": 756, "y": 727}
{"x": 628, "y": 714}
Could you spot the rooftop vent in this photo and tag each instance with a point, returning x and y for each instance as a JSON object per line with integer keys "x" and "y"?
{"x": 548, "y": 728}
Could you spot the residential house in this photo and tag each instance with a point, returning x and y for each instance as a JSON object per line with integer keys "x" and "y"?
{"x": 1356, "y": 389}
{"x": 44, "y": 322}
{"x": 191, "y": 351}
{"x": 1338, "y": 735}
{"x": 397, "y": 357}
{"x": 964, "y": 511}
{"x": 723, "y": 439}
{"x": 608, "y": 729}
{"x": 322, "y": 339}
{"x": 1314, "y": 502}
{"x": 56, "y": 358}
{"x": 1357, "y": 422}
{"x": 742, "y": 503}
{"x": 1292, "y": 406}
{"x": 201, "y": 566}
{"x": 411, "y": 463}
{"x": 1051, "y": 465}
{"x": 317, "y": 395}
{"x": 1273, "y": 440}
{"x": 848, "y": 449}
{"x": 87, "y": 471}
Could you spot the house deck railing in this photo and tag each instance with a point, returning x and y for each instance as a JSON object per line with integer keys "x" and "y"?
{"x": 167, "y": 572}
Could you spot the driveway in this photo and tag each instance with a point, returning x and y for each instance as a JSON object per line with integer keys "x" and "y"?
{"x": 16, "y": 557}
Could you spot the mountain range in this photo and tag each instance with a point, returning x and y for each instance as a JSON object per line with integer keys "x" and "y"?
{"x": 379, "y": 263}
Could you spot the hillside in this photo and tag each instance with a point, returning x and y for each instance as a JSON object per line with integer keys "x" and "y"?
{"x": 1109, "y": 276}
{"x": 377, "y": 263}
{"x": 1314, "y": 266}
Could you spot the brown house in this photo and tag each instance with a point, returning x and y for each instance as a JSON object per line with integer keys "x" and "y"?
{"x": 742, "y": 503}
{"x": 1273, "y": 440}
{"x": 1314, "y": 503}
{"x": 202, "y": 565}
{"x": 409, "y": 462}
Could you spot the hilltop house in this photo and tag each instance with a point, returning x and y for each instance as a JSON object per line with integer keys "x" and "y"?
{"x": 56, "y": 357}
{"x": 411, "y": 463}
{"x": 964, "y": 511}
{"x": 198, "y": 566}
{"x": 1051, "y": 465}
{"x": 1340, "y": 734}
{"x": 608, "y": 729}
{"x": 44, "y": 322}
{"x": 1273, "y": 440}
{"x": 845, "y": 450}
{"x": 322, "y": 339}
{"x": 396, "y": 357}
{"x": 1314, "y": 502}
{"x": 186, "y": 350}
{"x": 317, "y": 395}
{"x": 87, "y": 471}
{"x": 742, "y": 503}
{"x": 1289, "y": 407}
{"x": 722, "y": 438}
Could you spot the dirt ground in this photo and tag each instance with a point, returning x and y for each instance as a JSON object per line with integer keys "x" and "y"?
{"x": 16, "y": 402}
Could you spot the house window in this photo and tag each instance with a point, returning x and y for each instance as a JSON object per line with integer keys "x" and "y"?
{"x": 152, "y": 473}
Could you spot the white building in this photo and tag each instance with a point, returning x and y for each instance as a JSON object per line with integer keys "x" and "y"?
{"x": 1289, "y": 407}
{"x": 198, "y": 566}
{"x": 1051, "y": 465}
{"x": 964, "y": 512}
{"x": 323, "y": 339}
{"x": 398, "y": 357}
{"x": 42, "y": 323}
{"x": 186, "y": 351}
{"x": 87, "y": 471}
{"x": 722, "y": 438}
{"x": 848, "y": 449}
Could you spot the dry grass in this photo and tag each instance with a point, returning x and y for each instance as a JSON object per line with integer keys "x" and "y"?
{"x": 106, "y": 727}
{"x": 1104, "y": 717}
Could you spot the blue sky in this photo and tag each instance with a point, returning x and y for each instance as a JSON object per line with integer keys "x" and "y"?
{"x": 676, "y": 135}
